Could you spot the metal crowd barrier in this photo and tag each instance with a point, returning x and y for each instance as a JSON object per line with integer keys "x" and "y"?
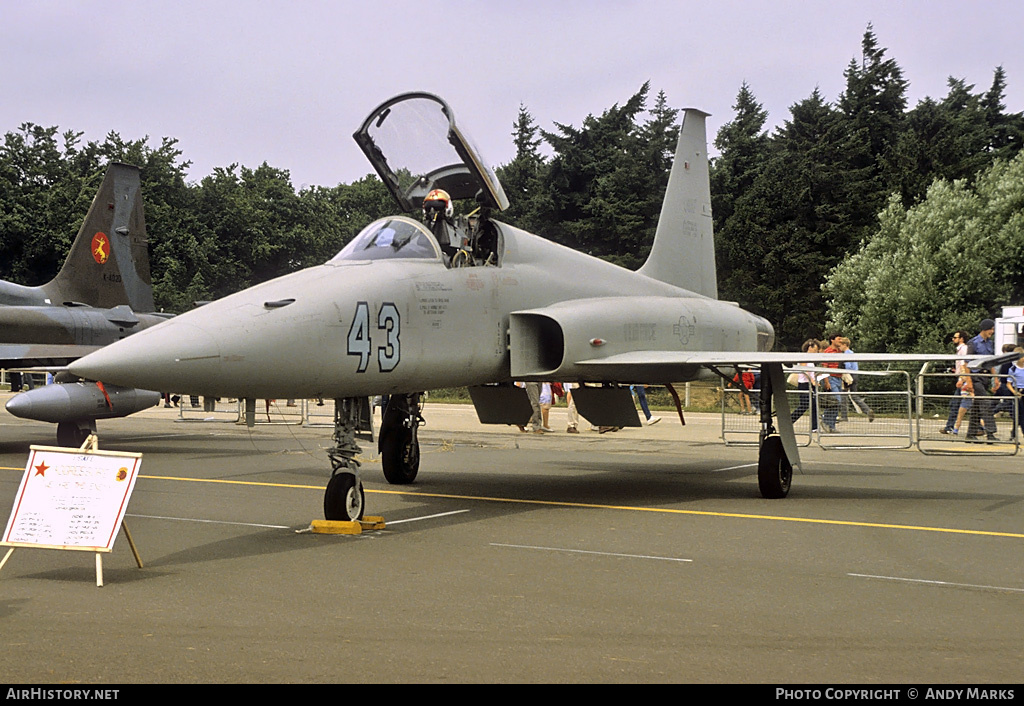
{"x": 936, "y": 410}
{"x": 864, "y": 420}
{"x": 319, "y": 413}
{"x": 740, "y": 428}
{"x": 309, "y": 413}
{"x": 280, "y": 411}
{"x": 869, "y": 420}
{"x": 207, "y": 409}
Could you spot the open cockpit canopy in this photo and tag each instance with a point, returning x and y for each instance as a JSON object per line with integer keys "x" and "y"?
{"x": 415, "y": 146}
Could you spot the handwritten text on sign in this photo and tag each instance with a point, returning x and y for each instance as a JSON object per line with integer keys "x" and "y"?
{"x": 71, "y": 499}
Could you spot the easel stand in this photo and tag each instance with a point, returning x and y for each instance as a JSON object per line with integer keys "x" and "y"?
{"x": 91, "y": 446}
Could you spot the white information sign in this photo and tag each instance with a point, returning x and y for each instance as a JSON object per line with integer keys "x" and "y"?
{"x": 72, "y": 499}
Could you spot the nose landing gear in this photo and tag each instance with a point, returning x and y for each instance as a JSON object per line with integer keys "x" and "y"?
{"x": 344, "y": 498}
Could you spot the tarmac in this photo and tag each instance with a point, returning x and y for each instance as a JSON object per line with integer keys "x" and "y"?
{"x": 641, "y": 556}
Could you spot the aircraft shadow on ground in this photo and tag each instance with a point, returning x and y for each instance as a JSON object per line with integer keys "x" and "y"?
{"x": 20, "y": 448}
{"x": 259, "y": 543}
{"x": 663, "y": 483}
{"x": 87, "y": 575}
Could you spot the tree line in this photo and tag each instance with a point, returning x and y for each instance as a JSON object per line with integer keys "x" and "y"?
{"x": 894, "y": 224}
{"x": 234, "y": 228}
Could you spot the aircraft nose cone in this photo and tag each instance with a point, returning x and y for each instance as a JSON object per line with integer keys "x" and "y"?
{"x": 51, "y": 403}
{"x": 20, "y": 406}
{"x": 172, "y": 356}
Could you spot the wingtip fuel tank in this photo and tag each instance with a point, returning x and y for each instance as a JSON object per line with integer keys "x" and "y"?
{"x": 77, "y": 401}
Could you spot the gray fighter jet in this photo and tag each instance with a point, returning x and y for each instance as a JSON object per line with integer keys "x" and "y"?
{"x": 414, "y": 304}
{"x": 94, "y": 300}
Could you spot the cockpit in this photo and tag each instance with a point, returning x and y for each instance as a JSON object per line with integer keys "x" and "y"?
{"x": 415, "y": 146}
{"x": 469, "y": 243}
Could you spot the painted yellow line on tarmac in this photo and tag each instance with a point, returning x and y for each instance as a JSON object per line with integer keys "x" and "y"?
{"x": 596, "y": 506}
{"x": 706, "y": 513}
{"x": 239, "y": 482}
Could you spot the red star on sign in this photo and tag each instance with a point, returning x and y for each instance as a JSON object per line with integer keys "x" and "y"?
{"x": 41, "y": 469}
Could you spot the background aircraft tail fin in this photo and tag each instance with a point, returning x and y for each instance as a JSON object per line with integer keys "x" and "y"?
{"x": 683, "y": 253}
{"x": 108, "y": 264}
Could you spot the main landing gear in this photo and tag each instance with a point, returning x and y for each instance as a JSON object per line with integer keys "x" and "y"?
{"x": 774, "y": 471}
{"x": 774, "y": 468}
{"x": 398, "y": 443}
{"x": 74, "y": 434}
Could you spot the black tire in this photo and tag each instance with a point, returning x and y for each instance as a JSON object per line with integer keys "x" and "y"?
{"x": 400, "y": 456}
{"x": 344, "y": 499}
{"x": 774, "y": 471}
{"x": 71, "y": 435}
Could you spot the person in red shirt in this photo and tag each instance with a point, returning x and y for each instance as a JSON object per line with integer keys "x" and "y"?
{"x": 830, "y": 386}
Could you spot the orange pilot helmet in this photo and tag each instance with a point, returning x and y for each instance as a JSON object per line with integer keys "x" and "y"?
{"x": 437, "y": 200}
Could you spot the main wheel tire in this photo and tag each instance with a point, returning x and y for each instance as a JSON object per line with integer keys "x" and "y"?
{"x": 774, "y": 471}
{"x": 71, "y": 435}
{"x": 400, "y": 456}
{"x": 344, "y": 498}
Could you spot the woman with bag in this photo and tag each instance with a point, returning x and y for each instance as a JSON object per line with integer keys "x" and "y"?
{"x": 805, "y": 381}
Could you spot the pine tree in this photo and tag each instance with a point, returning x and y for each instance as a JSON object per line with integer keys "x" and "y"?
{"x": 1006, "y": 131}
{"x": 521, "y": 178}
{"x": 595, "y": 185}
{"x": 874, "y": 105}
{"x": 743, "y": 145}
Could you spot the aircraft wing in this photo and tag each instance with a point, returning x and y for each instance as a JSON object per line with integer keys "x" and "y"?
{"x": 672, "y": 365}
{"x": 27, "y": 355}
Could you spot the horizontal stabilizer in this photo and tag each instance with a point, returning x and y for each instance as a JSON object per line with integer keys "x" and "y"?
{"x": 758, "y": 358}
{"x": 993, "y": 361}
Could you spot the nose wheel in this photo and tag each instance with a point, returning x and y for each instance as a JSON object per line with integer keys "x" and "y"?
{"x": 344, "y": 499}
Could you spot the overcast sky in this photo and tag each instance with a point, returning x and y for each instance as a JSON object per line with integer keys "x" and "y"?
{"x": 288, "y": 82}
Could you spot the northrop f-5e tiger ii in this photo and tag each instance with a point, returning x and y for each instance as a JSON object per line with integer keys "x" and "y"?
{"x": 412, "y": 304}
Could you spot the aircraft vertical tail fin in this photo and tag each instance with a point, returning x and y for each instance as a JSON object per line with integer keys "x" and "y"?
{"x": 683, "y": 253}
{"x": 108, "y": 264}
